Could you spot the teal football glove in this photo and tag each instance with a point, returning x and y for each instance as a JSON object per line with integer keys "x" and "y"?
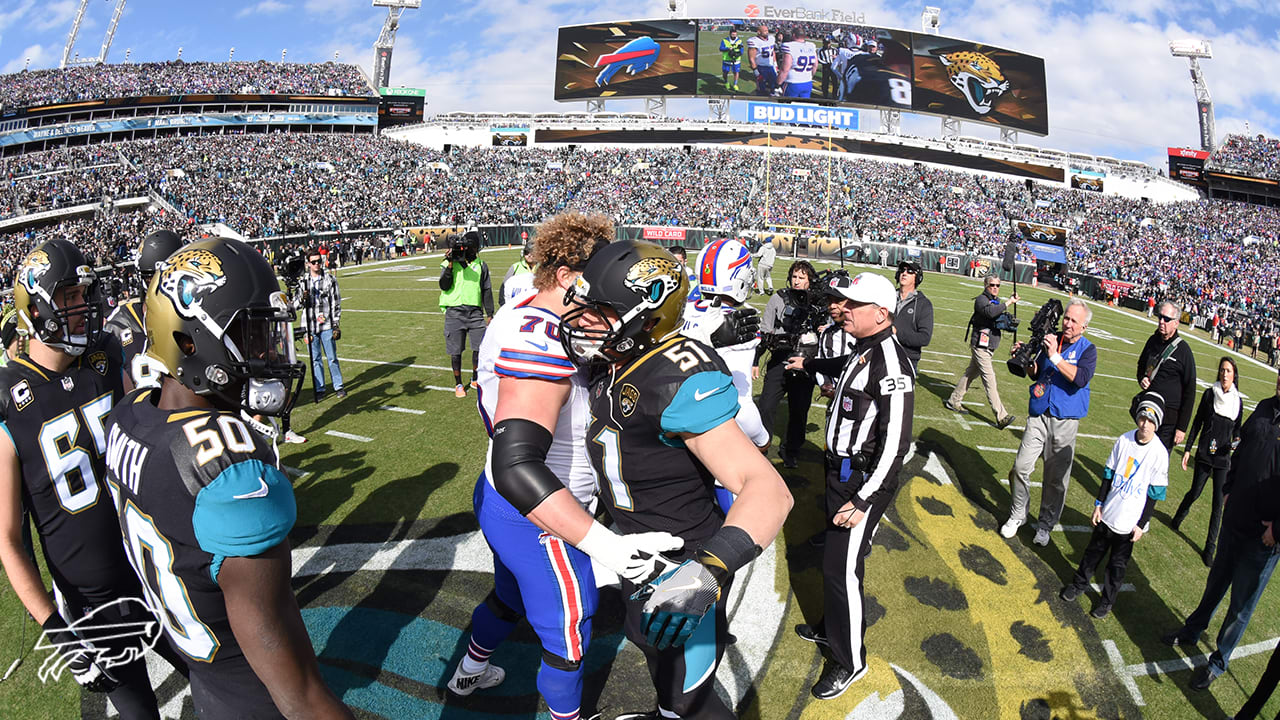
{"x": 676, "y": 602}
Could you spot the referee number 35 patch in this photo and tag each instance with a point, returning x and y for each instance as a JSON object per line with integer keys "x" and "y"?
{"x": 895, "y": 384}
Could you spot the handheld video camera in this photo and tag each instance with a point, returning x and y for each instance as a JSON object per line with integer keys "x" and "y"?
{"x": 1044, "y": 323}
{"x": 464, "y": 248}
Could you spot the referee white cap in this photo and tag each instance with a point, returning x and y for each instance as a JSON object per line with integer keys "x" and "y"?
{"x": 866, "y": 287}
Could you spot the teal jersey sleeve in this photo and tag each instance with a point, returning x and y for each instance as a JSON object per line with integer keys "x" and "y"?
{"x": 703, "y": 401}
{"x": 1156, "y": 492}
{"x": 248, "y": 509}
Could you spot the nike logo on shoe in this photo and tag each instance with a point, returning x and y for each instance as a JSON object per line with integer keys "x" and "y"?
{"x": 260, "y": 492}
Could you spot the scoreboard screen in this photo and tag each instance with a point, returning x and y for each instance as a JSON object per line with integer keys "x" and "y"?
{"x": 400, "y": 110}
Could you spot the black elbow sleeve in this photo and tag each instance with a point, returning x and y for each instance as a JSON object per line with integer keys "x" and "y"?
{"x": 520, "y": 471}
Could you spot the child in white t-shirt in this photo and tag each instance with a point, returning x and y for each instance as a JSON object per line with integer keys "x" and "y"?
{"x": 1136, "y": 476}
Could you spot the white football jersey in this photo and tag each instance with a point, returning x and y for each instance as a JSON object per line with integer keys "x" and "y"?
{"x": 764, "y": 50}
{"x": 700, "y": 320}
{"x": 516, "y": 285}
{"x": 523, "y": 342}
{"x": 804, "y": 60}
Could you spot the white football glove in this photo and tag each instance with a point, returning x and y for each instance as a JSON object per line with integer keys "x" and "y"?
{"x": 635, "y": 557}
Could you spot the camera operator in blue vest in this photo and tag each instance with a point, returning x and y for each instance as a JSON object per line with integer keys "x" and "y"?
{"x": 1059, "y": 398}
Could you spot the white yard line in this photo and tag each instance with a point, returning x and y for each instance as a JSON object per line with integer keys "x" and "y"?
{"x": 349, "y": 436}
{"x": 1127, "y": 673}
{"x": 408, "y": 411}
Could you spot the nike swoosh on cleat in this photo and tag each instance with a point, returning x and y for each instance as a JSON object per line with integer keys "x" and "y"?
{"x": 260, "y": 492}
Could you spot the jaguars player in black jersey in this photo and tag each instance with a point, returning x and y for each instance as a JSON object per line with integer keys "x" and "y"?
{"x": 127, "y": 323}
{"x": 203, "y": 507}
{"x": 662, "y": 431}
{"x": 53, "y": 405}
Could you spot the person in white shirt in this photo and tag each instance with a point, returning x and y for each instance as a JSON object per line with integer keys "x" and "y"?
{"x": 799, "y": 60}
{"x": 760, "y": 55}
{"x": 764, "y": 266}
{"x": 1136, "y": 476}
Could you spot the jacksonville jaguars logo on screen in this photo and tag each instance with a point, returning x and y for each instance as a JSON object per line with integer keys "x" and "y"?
{"x": 654, "y": 279}
{"x": 977, "y": 76}
{"x": 36, "y": 266}
{"x": 187, "y": 278}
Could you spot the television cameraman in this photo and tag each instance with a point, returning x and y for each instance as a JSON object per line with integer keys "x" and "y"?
{"x": 1063, "y": 366}
{"x": 466, "y": 299}
{"x": 986, "y": 325}
{"x": 789, "y": 327}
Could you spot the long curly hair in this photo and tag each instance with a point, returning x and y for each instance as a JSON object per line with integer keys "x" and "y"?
{"x": 567, "y": 240}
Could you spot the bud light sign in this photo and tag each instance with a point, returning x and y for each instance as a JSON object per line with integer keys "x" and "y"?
{"x": 802, "y": 115}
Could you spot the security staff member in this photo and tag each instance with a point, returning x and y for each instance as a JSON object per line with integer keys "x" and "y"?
{"x": 913, "y": 318}
{"x": 868, "y": 433}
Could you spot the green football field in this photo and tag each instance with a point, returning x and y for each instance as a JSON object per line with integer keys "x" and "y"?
{"x": 388, "y": 562}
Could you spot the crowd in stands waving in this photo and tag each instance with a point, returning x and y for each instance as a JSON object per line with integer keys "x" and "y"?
{"x": 1206, "y": 255}
{"x": 41, "y": 87}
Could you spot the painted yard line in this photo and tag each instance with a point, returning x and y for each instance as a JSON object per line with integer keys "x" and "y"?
{"x": 1188, "y": 335}
{"x": 349, "y": 436}
{"x": 988, "y": 448}
{"x": 393, "y": 312}
{"x": 1127, "y": 673}
{"x": 938, "y": 352}
{"x": 438, "y": 387}
{"x": 1126, "y": 587}
{"x": 1075, "y": 529}
{"x": 408, "y": 411}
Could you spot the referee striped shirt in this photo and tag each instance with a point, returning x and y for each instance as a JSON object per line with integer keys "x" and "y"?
{"x": 871, "y": 414}
{"x": 826, "y": 55}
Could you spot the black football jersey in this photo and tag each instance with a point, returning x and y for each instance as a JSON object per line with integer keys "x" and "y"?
{"x": 650, "y": 481}
{"x": 57, "y": 424}
{"x": 192, "y": 488}
{"x": 127, "y": 325}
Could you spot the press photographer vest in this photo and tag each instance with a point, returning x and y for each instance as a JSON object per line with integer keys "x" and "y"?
{"x": 1053, "y": 392}
{"x": 466, "y": 286}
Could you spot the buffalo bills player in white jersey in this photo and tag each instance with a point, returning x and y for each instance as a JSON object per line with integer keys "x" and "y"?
{"x": 760, "y": 52}
{"x": 799, "y": 59}
{"x": 725, "y": 278}
{"x": 538, "y": 480}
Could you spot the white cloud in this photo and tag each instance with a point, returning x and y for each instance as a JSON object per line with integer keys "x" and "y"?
{"x": 334, "y": 9}
{"x": 57, "y": 15}
{"x": 12, "y": 16}
{"x": 40, "y": 58}
{"x": 266, "y": 7}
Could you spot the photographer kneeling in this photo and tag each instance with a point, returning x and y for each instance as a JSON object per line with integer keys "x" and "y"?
{"x": 986, "y": 325}
{"x": 464, "y": 286}
{"x": 1063, "y": 365}
{"x": 789, "y": 327}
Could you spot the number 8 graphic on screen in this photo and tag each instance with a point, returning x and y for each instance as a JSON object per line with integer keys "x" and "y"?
{"x": 64, "y": 431}
{"x": 166, "y": 592}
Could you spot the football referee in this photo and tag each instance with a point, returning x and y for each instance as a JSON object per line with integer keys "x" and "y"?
{"x": 868, "y": 432}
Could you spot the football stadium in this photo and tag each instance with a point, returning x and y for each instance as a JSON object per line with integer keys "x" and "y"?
{"x": 310, "y": 392}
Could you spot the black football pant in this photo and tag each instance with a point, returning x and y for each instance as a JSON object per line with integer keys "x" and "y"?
{"x": 798, "y": 387}
{"x": 1121, "y": 548}
{"x": 685, "y": 677}
{"x": 844, "y": 561}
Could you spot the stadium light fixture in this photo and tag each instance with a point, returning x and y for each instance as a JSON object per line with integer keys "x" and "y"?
{"x": 1194, "y": 50}
{"x": 1191, "y": 48}
{"x": 127, "y": 52}
{"x": 26, "y": 65}
{"x": 231, "y": 55}
{"x": 179, "y": 53}
{"x": 930, "y": 20}
{"x": 410, "y": 4}
{"x": 283, "y": 53}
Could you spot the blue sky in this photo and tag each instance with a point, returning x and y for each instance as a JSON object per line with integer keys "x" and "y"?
{"x": 1113, "y": 87}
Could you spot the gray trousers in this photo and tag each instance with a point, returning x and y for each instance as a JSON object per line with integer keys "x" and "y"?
{"x": 980, "y": 367}
{"x": 1054, "y": 439}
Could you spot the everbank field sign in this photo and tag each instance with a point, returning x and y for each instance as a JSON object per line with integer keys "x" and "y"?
{"x": 772, "y": 12}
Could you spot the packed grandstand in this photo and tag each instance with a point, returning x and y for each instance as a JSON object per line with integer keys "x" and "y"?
{"x": 274, "y": 184}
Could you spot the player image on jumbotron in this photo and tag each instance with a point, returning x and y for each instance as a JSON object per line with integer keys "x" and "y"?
{"x": 856, "y": 64}
{"x": 979, "y": 82}
{"x": 625, "y": 59}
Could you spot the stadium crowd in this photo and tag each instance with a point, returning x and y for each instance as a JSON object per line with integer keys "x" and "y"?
{"x": 1259, "y": 156}
{"x": 176, "y": 77}
{"x": 272, "y": 185}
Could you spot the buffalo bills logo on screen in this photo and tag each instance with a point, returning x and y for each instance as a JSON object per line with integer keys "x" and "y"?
{"x": 636, "y": 56}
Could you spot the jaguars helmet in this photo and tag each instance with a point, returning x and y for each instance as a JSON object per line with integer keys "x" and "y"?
{"x": 724, "y": 269}
{"x": 52, "y": 266}
{"x": 218, "y": 323}
{"x": 638, "y": 288}
{"x": 155, "y": 248}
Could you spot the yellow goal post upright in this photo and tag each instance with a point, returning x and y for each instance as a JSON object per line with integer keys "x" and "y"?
{"x": 768, "y": 188}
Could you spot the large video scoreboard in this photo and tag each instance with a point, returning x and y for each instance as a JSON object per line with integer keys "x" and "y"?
{"x": 870, "y": 66}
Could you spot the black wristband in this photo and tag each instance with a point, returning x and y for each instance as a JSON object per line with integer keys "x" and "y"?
{"x": 520, "y": 472}
{"x": 726, "y": 551}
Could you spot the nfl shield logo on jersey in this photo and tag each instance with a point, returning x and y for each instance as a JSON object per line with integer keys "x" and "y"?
{"x": 98, "y": 361}
{"x": 847, "y": 403}
{"x": 68, "y": 384}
